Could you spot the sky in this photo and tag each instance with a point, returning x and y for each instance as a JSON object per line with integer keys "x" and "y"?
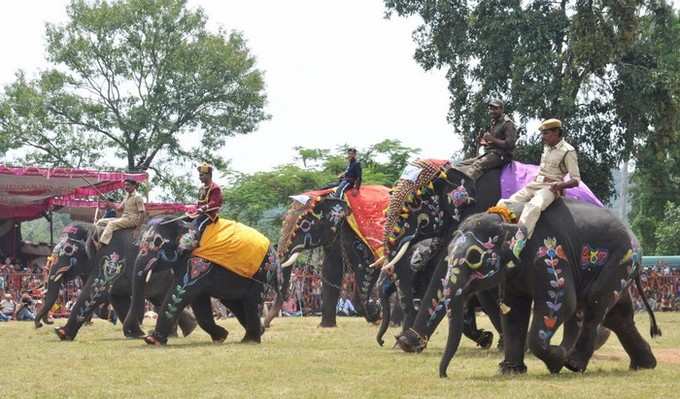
{"x": 335, "y": 72}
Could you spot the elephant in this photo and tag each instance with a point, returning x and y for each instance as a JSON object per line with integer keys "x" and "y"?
{"x": 109, "y": 279}
{"x": 428, "y": 206}
{"x": 70, "y": 249}
{"x": 197, "y": 280}
{"x": 576, "y": 269}
{"x": 323, "y": 222}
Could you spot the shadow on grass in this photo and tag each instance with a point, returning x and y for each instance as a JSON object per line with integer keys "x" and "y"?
{"x": 183, "y": 346}
{"x": 565, "y": 375}
{"x": 476, "y": 353}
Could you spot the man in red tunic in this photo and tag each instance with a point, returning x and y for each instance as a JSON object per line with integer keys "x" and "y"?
{"x": 209, "y": 203}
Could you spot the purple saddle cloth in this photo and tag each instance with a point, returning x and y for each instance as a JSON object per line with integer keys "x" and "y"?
{"x": 516, "y": 175}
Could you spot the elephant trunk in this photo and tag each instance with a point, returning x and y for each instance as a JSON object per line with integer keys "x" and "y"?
{"x": 50, "y": 298}
{"x": 386, "y": 314}
{"x": 455, "y": 333}
{"x": 364, "y": 285}
{"x": 131, "y": 326}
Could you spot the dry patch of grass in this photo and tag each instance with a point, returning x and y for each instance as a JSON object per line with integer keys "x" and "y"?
{"x": 299, "y": 360}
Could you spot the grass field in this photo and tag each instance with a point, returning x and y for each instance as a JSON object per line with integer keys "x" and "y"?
{"x": 299, "y": 360}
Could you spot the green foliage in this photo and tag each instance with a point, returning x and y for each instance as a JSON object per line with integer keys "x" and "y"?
{"x": 666, "y": 232}
{"x": 133, "y": 79}
{"x": 545, "y": 58}
{"x": 38, "y": 230}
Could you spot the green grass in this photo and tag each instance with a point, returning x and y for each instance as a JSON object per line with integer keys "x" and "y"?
{"x": 297, "y": 359}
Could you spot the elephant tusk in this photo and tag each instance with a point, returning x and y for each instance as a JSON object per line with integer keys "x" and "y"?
{"x": 378, "y": 262}
{"x": 148, "y": 275}
{"x": 58, "y": 277}
{"x": 291, "y": 260}
{"x": 398, "y": 257}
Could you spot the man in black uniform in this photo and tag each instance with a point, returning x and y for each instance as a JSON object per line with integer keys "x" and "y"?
{"x": 351, "y": 178}
{"x": 498, "y": 140}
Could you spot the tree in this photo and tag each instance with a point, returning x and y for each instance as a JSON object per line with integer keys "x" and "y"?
{"x": 666, "y": 232}
{"x": 135, "y": 80}
{"x": 545, "y": 58}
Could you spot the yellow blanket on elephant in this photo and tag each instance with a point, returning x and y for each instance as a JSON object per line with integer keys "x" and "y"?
{"x": 234, "y": 246}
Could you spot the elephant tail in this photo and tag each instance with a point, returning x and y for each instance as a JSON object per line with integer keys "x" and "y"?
{"x": 654, "y": 329}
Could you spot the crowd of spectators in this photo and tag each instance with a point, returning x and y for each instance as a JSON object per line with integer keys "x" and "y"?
{"x": 22, "y": 289}
{"x": 662, "y": 289}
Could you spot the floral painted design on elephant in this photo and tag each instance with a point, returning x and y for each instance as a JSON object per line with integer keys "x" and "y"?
{"x": 112, "y": 266}
{"x": 593, "y": 258}
{"x": 197, "y": 269}
{"x": 552, "y": 254}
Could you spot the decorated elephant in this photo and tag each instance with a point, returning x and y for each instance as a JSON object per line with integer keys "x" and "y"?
{"x": 68, "y": 262}
{"x": 349, "y": 231}
{"x": 575, "y": 269}
{"x": 427, "y": 204}
{"x": 253, "y": 263}
{"x": 109, "y": 279}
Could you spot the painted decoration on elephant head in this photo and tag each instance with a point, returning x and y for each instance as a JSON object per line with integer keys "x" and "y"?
{"x": 593, "y": 258}
{"x": 460, "y": 196}
{"x": 552, "y": 252}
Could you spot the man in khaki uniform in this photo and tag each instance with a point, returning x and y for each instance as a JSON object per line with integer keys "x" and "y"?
{"x": 498, "y": 140}
{"x": 133, "y": 213}
{"x": 559, "y": 159}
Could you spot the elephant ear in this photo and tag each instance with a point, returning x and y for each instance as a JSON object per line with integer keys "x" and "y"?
{"x": 335, "y": 210}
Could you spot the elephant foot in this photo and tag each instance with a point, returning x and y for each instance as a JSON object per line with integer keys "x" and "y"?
{"x": 507, "y": 368}
{"x": 251, "y": 340}
{"x": 645, "y": 360}
{"x": 61, "y": 333}
{"x": 187, "y": 326}
{"x": 156, "y": 341}
{"x": 219, "y": 339}
{"x": 327, "y": 324}
{"x": 485, "y": 339}
{"x": 134, "y": 333}
{"x": 576, "y": 363}
{"x": 37, "y": 323}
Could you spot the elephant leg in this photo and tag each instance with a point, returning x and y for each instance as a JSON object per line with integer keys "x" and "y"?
{"x": 252, "y": 318}
{"x": 93, "y": 293}
{"x": 332, "y": 274}
{"x": 175, "y": 301}
{"x": 236, "y": 308}
{"x": 620, "y": 319}
{"x": 515, "y": 324}
{"x": 121, "y": 305}
{"x": 186, "y": 323}
{"x": 482, "y": 338}
{"x": 543, "y": 325}
{"x": 605, "y": 293}
{"x": 572, "y": 332}
{"x": 204, "y": 316}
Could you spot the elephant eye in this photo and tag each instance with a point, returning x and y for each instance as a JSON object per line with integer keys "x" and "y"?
{"x": 473, "y": 257}
{"x": 158, "y": 241}
{"x": 69, "y": 249}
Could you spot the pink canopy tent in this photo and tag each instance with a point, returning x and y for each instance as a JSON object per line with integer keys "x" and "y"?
{"x": 25, "y": 192}
{"x": 84, "y": 210}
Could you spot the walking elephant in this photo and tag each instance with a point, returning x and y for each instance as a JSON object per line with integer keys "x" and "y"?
{"x": 324, "y": 221}
{"x": 68, "y": 262}
{"x": 427, "y": 204}
{"x": 576, "y": 270}
{"x": 197, "y": 280}
{"x": 109, "y": 279}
